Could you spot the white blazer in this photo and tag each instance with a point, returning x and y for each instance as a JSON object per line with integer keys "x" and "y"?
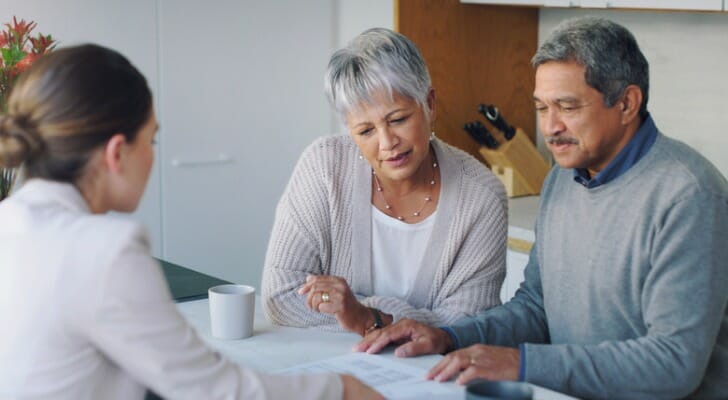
{"x": 85, "y": 313}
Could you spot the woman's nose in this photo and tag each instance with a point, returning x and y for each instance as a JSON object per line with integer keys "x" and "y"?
{"x": 387, "y": 139}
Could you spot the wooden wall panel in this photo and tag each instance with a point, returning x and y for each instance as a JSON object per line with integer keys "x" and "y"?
{"x": 476, "y": 54}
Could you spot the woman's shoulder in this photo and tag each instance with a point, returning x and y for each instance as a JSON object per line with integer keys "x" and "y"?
{"x": 331, "y": 144}
{"x": 328, "y": 152}
{"x": 108, "y": 235}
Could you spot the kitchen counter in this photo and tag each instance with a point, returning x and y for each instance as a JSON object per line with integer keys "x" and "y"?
{"x": 522, "y": 212}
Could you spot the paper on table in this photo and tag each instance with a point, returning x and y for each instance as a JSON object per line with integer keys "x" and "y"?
{"x": 393, "y": 379}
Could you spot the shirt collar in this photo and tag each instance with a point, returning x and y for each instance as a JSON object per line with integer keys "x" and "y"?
{"x": 43, "y": 191}
{"x": 635, "y": 149}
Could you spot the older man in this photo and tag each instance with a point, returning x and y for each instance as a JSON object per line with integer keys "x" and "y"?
{"x": 625, "y": 290}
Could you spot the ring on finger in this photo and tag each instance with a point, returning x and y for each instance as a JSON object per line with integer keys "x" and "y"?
{"x": 472, "y": 360}
{"x": 325, "y": 297}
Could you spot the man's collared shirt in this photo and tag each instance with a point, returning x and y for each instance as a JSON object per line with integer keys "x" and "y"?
{"x": 635, "y": 149}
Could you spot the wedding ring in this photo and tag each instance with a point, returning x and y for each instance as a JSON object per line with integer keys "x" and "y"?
{"x": 325, "y": 297}
{"x": 472, "y": 360}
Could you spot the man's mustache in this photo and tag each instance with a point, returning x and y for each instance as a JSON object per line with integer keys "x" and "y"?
{"x": 561, "y": 140}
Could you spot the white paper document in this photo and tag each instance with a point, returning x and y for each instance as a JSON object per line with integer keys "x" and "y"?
{"x": 393, "y": 379}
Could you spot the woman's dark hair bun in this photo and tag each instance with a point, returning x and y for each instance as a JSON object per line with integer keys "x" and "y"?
{"x": 19, "y": 141}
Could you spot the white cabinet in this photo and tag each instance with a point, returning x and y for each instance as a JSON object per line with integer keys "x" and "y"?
{"x": 561, "y": 3}
{"x": 702, "y": 5}
{"x": 692, "y": 5}
{"x": 242, "y": 96}
{"x": 507, "y": 2}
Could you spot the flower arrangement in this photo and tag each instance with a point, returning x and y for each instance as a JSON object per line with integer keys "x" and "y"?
{"x": 18, "y": 50}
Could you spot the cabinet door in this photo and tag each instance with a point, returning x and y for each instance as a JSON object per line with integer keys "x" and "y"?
{"x": 561, "y": 3}
{"x": 242, "y": 96}
{"x": 703, "y": 5}
{"x": 507, "y": 2}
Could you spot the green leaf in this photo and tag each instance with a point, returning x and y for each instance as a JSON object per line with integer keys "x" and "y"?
{"x": 12, "y": 56}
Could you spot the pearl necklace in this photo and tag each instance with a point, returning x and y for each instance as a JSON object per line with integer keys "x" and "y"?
{"x": 417, "y": 213}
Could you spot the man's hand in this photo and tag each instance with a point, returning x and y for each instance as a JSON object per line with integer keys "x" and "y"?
{"x": 332, "y": 295}
{"x": 417, "y": 339}
{"x": 478, "y": 361}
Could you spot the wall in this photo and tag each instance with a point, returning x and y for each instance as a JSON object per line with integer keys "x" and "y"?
{"x": 688, "y": 65}
{"x": 352, "y": 17}
{"x": 242, "y": 79}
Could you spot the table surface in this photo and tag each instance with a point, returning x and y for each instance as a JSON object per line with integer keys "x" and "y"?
{"x": 273, "y": 347}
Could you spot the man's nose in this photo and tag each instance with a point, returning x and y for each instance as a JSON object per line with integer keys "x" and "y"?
{"x": 551, "y": 123}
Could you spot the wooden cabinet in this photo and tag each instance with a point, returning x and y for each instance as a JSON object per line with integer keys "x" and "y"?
{"x": 475, "y": 54}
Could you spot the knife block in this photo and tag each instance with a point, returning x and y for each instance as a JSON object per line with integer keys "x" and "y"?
{"x": 518, "y": 164}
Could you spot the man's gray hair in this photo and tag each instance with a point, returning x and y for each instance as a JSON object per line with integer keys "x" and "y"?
{"x": 378, "y": 59}
{"x": 608, "y": 51}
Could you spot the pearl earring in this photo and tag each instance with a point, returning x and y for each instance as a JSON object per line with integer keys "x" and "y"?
{"x": 432, "y": 136}
{"x": 361, "y": 157}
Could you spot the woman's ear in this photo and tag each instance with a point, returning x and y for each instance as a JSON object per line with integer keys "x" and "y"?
{"x": 431, "y": 104}
{"x": 631, "y": 103}
{"x": 113, "y": 153}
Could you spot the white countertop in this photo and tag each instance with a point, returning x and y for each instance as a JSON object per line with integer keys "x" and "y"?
{"x": 273, "y": 347}
{"x": 522, "y": 212}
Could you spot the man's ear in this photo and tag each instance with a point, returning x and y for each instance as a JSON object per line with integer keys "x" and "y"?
{"x": 630, "y": 103}
{"x": 113, "y": 153}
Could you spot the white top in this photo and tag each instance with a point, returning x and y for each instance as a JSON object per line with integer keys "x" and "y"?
{"x": 86, "y": 314}
{"x": 397, "y": 251}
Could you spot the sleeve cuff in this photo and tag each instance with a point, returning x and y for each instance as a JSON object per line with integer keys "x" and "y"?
{"x": 522, "y": 367}
{"x": 453, "y": 336}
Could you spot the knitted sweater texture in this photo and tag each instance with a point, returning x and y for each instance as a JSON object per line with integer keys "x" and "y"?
{"x": 625, "y": 291}
{"x": 323, "y": 227}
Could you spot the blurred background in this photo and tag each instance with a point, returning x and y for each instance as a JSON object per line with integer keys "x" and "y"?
{"x": 238, "y": 88}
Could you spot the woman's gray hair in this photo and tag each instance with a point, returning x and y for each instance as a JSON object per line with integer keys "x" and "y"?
{"x": 608, "y": 51}
{"x": 378, "y": 59}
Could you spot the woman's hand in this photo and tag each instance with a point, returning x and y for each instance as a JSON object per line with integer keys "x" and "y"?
{"x": 478, "y": 361}
{"x": 332, "y": 295}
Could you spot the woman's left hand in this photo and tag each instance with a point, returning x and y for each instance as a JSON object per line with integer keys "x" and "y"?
{"x": 332, "y": 295}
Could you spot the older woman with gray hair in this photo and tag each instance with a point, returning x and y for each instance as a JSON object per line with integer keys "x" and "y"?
{"x": 388, "y": 222}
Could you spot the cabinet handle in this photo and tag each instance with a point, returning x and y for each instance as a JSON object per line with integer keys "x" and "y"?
{"x": 222, "y": 158}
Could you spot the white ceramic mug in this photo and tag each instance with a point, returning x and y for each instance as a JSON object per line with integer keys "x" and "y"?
{"x": 232, "y": 311}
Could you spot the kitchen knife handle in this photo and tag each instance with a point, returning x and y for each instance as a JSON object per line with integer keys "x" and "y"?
{"x": 491, "y": 113}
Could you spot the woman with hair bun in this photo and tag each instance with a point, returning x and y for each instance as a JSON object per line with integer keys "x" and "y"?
{"x": 85, "y": 310}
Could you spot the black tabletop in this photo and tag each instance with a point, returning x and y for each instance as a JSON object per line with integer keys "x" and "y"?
{"x": 186, "y": 284}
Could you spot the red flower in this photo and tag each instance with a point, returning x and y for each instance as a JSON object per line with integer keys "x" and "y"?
{"x": 18, "y": 51}
{"x": 42, "y": 44}
{"x": 24, "y": 64}
{"x": 20, "y": 29}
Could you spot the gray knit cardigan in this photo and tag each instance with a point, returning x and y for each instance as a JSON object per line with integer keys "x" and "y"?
{"x": 323, "y": 227}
